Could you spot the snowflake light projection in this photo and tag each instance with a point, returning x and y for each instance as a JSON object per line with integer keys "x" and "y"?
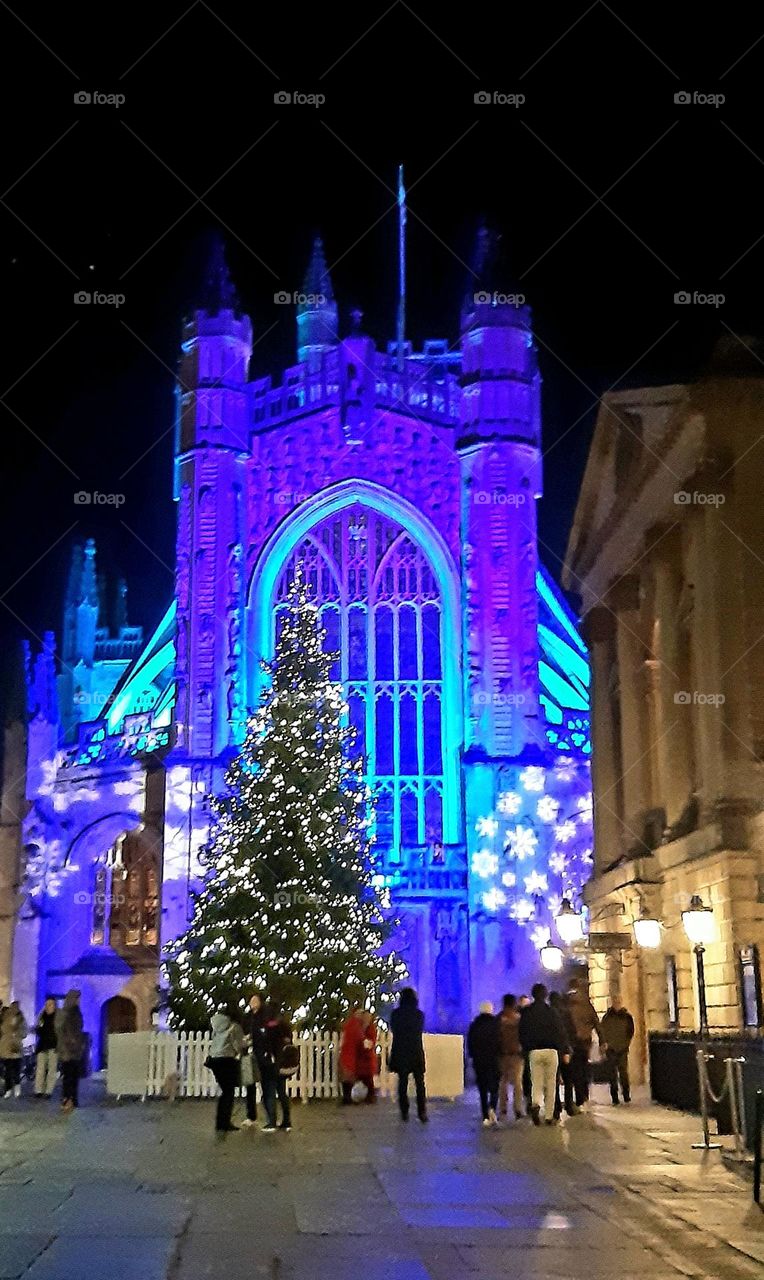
{"x": 536, "y": 845}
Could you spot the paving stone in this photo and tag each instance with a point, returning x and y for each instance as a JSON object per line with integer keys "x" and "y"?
{"x": 139, "y": 1214}
{"x": 116, "y": 1258}
{"x": 18, "y": 1252}
{"x": 28, "y": 1207}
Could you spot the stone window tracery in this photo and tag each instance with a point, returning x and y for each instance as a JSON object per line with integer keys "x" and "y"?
{"x": 382, "y": 609}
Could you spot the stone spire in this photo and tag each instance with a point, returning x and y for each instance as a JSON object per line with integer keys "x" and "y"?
{"x": 218, "y": 291}
{"x": 316, "y": 310}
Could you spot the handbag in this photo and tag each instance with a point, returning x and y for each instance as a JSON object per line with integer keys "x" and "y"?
{"x": 289, "y": 1060}
{"x": 247, "y": 1071}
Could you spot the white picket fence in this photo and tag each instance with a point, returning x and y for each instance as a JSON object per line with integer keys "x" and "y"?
{"x": 176, "y": 1066}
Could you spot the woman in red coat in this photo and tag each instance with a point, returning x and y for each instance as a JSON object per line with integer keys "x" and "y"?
{"x": 352, "y": 1037}
{"x": 366, "y": 1055}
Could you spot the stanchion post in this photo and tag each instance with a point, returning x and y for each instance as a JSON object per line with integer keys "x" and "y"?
{"x": 729, "y": 1066}
{"x": 706, "y": 1145}
{"x": 758, "y": 1123}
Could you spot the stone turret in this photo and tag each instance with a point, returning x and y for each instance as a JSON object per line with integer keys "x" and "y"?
{"x": 316, "y": 311}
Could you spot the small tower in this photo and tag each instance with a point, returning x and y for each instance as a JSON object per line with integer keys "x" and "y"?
{"x": 213, "y": 442}
{"x": 316, "y": 311}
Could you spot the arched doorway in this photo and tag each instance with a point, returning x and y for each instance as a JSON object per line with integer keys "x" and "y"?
{"x": 117, "y": 1015}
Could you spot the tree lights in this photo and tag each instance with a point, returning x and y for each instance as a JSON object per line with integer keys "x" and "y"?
{"x": 288, "y": 903}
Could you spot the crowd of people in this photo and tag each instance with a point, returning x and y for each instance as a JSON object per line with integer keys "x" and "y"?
{"x": 540, "y": 1050}
{"x": 60, "y": 1043}
{"x": 533, "y": 1056}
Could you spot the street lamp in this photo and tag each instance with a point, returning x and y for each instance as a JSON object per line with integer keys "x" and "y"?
{"x": 699, "y": 926}
{"x": 570, "y": 925}
{"x": 552, "y": 957}
{"x": 647, "y": 931}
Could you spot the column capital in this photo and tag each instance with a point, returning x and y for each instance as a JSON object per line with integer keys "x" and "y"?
{"x": 598, "y": 627}
{"x": 624, "y": 594}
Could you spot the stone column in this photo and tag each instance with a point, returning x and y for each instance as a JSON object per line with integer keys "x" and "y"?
{"x": 673, "y": 742}
{"x": 599, "y": 633}
{"x": 624, "y": 599}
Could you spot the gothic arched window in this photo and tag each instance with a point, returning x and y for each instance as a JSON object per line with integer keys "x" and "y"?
{"x": 381, "y": 606}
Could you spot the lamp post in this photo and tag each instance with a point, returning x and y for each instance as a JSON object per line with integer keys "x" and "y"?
{"x": 570, "y": 925}
{"x": 647, "y": 931}
{"x": 698, "y": 922}
{"x": 552, "y": 957}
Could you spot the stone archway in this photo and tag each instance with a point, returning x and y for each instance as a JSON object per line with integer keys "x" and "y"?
{"x": 118, "y": 1015}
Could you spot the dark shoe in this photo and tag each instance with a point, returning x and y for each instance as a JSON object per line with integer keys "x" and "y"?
{"x": 535, "y": 1115}
{"x": 285, "y": 1128}
{"x": 423, "y": 1116}
{"x": 615, "y": 1101}
{"x": 268, "y": 1128}
{"x": 626, "y": 1099}
{"x": 555, "y": 1121}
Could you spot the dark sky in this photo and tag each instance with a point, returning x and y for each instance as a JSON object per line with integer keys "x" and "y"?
{"x": 610, "y": 197}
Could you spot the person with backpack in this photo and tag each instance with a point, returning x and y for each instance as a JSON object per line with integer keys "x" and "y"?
{"x": 225, "y": 1051}
{"x": 282, "y": 1061}
{"x": 511, "y": 1061}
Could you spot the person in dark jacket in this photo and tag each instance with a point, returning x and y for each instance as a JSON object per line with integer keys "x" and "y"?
{"x": 407, "y": 1052}
{"x": 46, "y": 1066}
{"x": 584, "y": 1022}
{"x": 278, "y": 1033}
{"x": 511, "y": 1060}
{"x": 483, "y": 1046}
{"x": 71, "y": 1047}
{"x": 254, "y": 1046}
{"x": 543, "y": 1038}
{"x": 565, "y": 1076}
{"x": 617, "y": 1033}
{"x": 13, "y": 1029}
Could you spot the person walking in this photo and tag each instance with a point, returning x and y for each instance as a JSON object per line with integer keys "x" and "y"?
{"x": 253, "y": 1056}
{"x": 543, "y": 1038}
{"x": 483, "y": 1047}
{"x": 278, "y": 1044}
{"x": 407, "y": 1052}
{"x": 616, "y": 1035}
{"x": 511, "y": 1060}
{"x": 13, "y": 1029}
{"x": 523, "y": 1003}
{"x": 584, "y": 1022}
{"x": 225, "y": 1051}
{"x": 70, "y": 1038}
{"x": 565, "y": 1076}
{"x": 350, "y": 1042}
{"x": 46, "y": 1065}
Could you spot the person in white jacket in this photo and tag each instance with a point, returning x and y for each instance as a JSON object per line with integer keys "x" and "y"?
{"x": 225, "y": 1051}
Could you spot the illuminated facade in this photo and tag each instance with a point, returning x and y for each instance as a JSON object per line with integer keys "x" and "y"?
{"x": 404, "y": 484}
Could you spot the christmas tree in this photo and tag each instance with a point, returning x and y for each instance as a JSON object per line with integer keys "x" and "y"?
{"x": 287, "y": 906}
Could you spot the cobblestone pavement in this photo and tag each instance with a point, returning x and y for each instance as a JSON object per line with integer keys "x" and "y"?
{"x": 138, "y": 1192}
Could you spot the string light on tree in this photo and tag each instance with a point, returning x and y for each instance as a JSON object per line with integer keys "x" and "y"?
{"x": 289, "y": 903}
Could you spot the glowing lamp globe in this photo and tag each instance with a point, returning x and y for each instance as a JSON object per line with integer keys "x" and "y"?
{"x": 647, "y": 932}
{"x": 698, "y": 922}
{"x": 551, "y": 957}
{"x": 570, "y": 925}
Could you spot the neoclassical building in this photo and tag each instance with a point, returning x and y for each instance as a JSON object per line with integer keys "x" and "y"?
{"x": 667, "y": 555}
{"x": 405, "y": 483}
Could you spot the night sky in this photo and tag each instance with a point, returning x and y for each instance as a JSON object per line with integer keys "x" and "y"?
{"x": 610, "y": 197}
